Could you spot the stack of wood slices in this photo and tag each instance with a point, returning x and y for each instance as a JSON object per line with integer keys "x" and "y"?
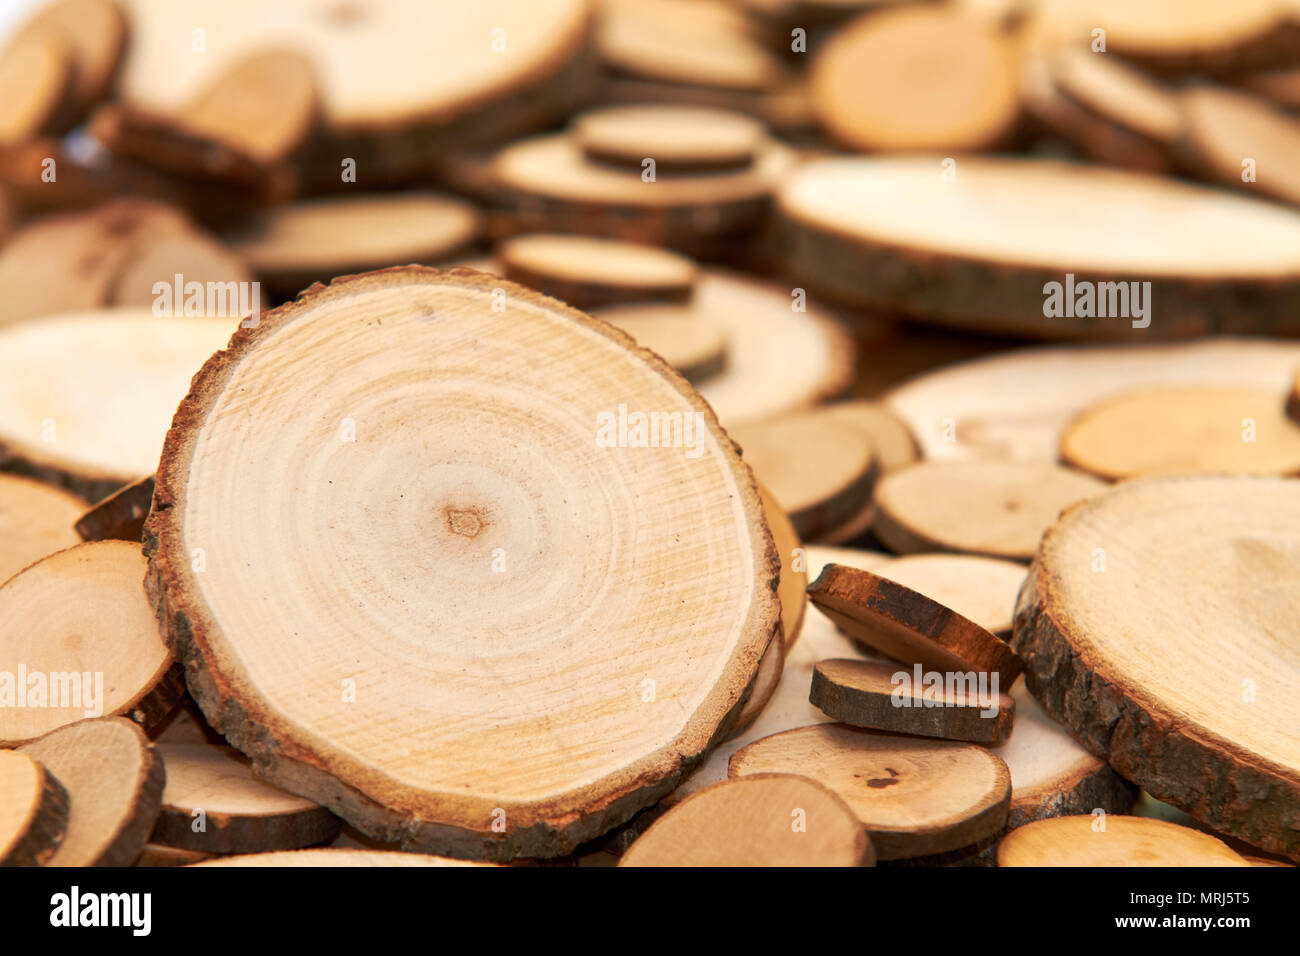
{"x": 650, "y": 433}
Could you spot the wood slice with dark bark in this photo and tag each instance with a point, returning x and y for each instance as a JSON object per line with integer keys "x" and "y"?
{"x": 1113, "y": 841}
{"x": 120, "y": 516}
{"x": 890, "y": 437}
{"x": 35, "y": 521}
{"x": 33, "y": 811}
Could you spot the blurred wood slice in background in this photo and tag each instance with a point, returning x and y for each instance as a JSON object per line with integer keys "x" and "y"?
{"x": 94, "y": 33}
{"x": 1112, "y": 840}
{"x": 675, "y": 137}
{"x": 35, "y": 520}
{"x": 693, "y": 344}
{"x": 979, "y": 588}
{"x": 36, "y": 82}
{"x": 589, "y": 272}
{"x": 1233, "y": 135}
{"x": 890, "y": 438}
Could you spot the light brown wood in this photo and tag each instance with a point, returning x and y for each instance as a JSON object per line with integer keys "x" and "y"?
{"x": 1110, "y": 87}
{"x": 428, "y": 754}
{"x": 676, "y": 137}
{"x": 1158, "y": 625}
{"x": 1124, "y": 841}
{"x": 979, "y": 588}
{"x": 35, "y": 520}
{"x": 767, "y": 819}
{"x": 1229, "y": 131}
{"x": 120, "y": 516}
{"x": 907, "y": 625}
{"x": 94, "y": 32}
{"x": 941, "y": 81}
{"x": 694, "y": 344}
{"x": 36, "y": 78}
{"x": 214, "y": 804}
{"x": 915, "y": 797}
{"x": 154, "y": 263}
{"x": 998, "y": 509}
{"x": 77, "y": 640}
{"x": 155, "y": 854}
{"x": 1281, "y": 86}
{"x": 890, "y": 438}
{"x": 33, "y": 811}
{"x": 114, "y": 782}
{"x": 1293, "y": 400}
{"x": 336, "y": 857}
{"x": 588, "y": 272}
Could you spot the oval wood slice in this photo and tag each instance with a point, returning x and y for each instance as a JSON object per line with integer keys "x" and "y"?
{"x": 35, "y": 82}
{"x": 33, "y": 811}
{"x": 328, "y": 856}
{"x": 896, "y": 234}
{"x": 907, "y": 625}
{"x": 1108, "y": 86}
{"x": 1225, "y": 128}
{"x": 915, "y": 797}
{"x": 314, "y": 240}
{"x": 238, "y": 812}
{"x": 767, "y": 819}
{"x": 1125, "y": 841}
{"x": 1185, "y": 430}
{"x": 979, "y": 588}
{"x": 120, "y": 516}
{"x": 890, "y": 438}
{"x": 86, "y": 397}
{"x": 884, "y": 696}
{"x": 508, "y": 702}
{"x": 998, "y": 509}
{"x": 77, "y": 640}
{"x": 1157, "y": 625}
{"x": 588, "y": 272}
{"x": 695, "y": 345}
{"x": 94, "y": 32}
{"x": 35, "y": 521}
{"x": 196, "y": 258}
{"x": 675, "y": 137}
{"x": 941, "y": 80}
{"x": 114, "y": 782}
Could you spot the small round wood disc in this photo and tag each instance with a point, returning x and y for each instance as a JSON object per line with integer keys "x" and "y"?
{"x": 114, "y": 782}
{"x": 940, "y": 81}
{"x": 35, "y": 520}
{"x": 1226, "y": 128}
{"x": 1185, "y": 430}
{"x": 883, "y": 696}
{"x": 890, "y": 437}
{"x": 979, "y": 588}
{"x": 239, "y": 812}
{"x": 693, "y": 344}
{"x": 764, "y": 819}
{"x": 1158, "y": 625}
{"x": 994, "y": 508}
{"x": 95, "y": 34}
{"x": 1124, "y": 841}
{"x": 820, "y": 470}
{"x": 675, "y": 137}
{"x": 907, "y": 625}
{"x": 35, "y": 78}
{"x": 329, "y": 856}
{"x": 79, "y": 631}
{"x": 314, "y": 240}
{"x": 588, "y": 272}
{"x": 915, "y": 797}
{"x": 33, "y": 811}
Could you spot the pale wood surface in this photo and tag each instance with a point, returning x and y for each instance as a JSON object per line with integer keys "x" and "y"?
{"x": 589, "y": 271}
{"x": 1125, "y": 841}
{"x": 35, "y": 520}
{"x": 675, "y": 137}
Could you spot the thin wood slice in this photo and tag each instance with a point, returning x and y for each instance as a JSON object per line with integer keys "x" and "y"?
{"x": 120, "y": 516}
{"x": 33, "y": 811}
{"x": 941, "y": 80}
{"x": 35, "y": 83}
{"x": 915, "y": 797}
{"x": 78, "y": 640}
{"x": 58, "y": 372}
{"x": 94, "y": 32}
{"x": 820, "y": 470}
{"x": 1228, "y": 130}
{"x": 114, "y": 782}
{"x": 35, "y": 521}
{"x": 982, "y": 589}
{"x": 1157, "y": 625}
{"x": 766, "y": 819}
{"x": 213, "y": 803}
{"x": 695, "y": 345}
{"x": 314, "y": 240}
{"x": 156, "y": 855}
{"x": 589, "y": 272}
{"x": 898, "y": 234}
{"x": 675, "y": 137}
{"x": 998, "y": 509}
{"x": 402, "y": 373}
{"x": 890, "y": 438}
{"x": 1114, "y": 89}
{"x": 1113, "y": 841}
{"x": 1184, "y": 430}
{"x": 883, "y": 696}
{"x": 907, "y": 625}
{"x": 332, "y": 857}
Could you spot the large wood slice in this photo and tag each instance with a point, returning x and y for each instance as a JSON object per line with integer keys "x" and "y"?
{"x": 78, "y": 640}
{"x": 1113, "y": 841}
{"x": 114, "y": 782}
{"x": 35, "y": 520}
{"x": 1158, "y": 625}
{"x": 510, "y": 657}
{"x": 33, "y": 811}
{"x": 895, "y": 234}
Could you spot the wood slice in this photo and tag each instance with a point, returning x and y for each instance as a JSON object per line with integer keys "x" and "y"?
{"x": 1125, "y": 841}
{"x": 979, "y": 588}
{"x": 915, "y": 797}
{"x": 676, "y": 137}
{"x": 820, "y": 470}
{"x": 120, "y": 516}
{"x": 33, "y": 811}
{"x": 114, "y": 782}
{"x": 1184, "y": 430}
{"x": 1177, "y": 662}
{"x": 78, "y": 632}
{"x": 1225, "y": 128}
{"x": 940, "y": 80}
{"x": 57, "y": 374}
{"x": 1280, "y": 86}
{"x": 999, "y": 509}
{"x": 890, "y": 438}
{"x": 336, "y": 857}
{"x": 314, "y": 240}
{"x": 35, "y": 520}
{"x": 767, "y": 819}
{"x": 239, "y": 813}
{"x": 695, "y": 345}
{"x": 892, "y": 234}
{"x": 1113, "y": 89}
{"x": 35, "y": 83}
{"x": 94, "y": 32}
{"x": 589, "y": 272}
{"x": 1293, "y": 400}
{"x": 406, "y": 354}
{"x": 907, "y": 625}
{"x": 883, "y": 696}
{"x": 156, "y": 855}
{"x": 155, "y": 262}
